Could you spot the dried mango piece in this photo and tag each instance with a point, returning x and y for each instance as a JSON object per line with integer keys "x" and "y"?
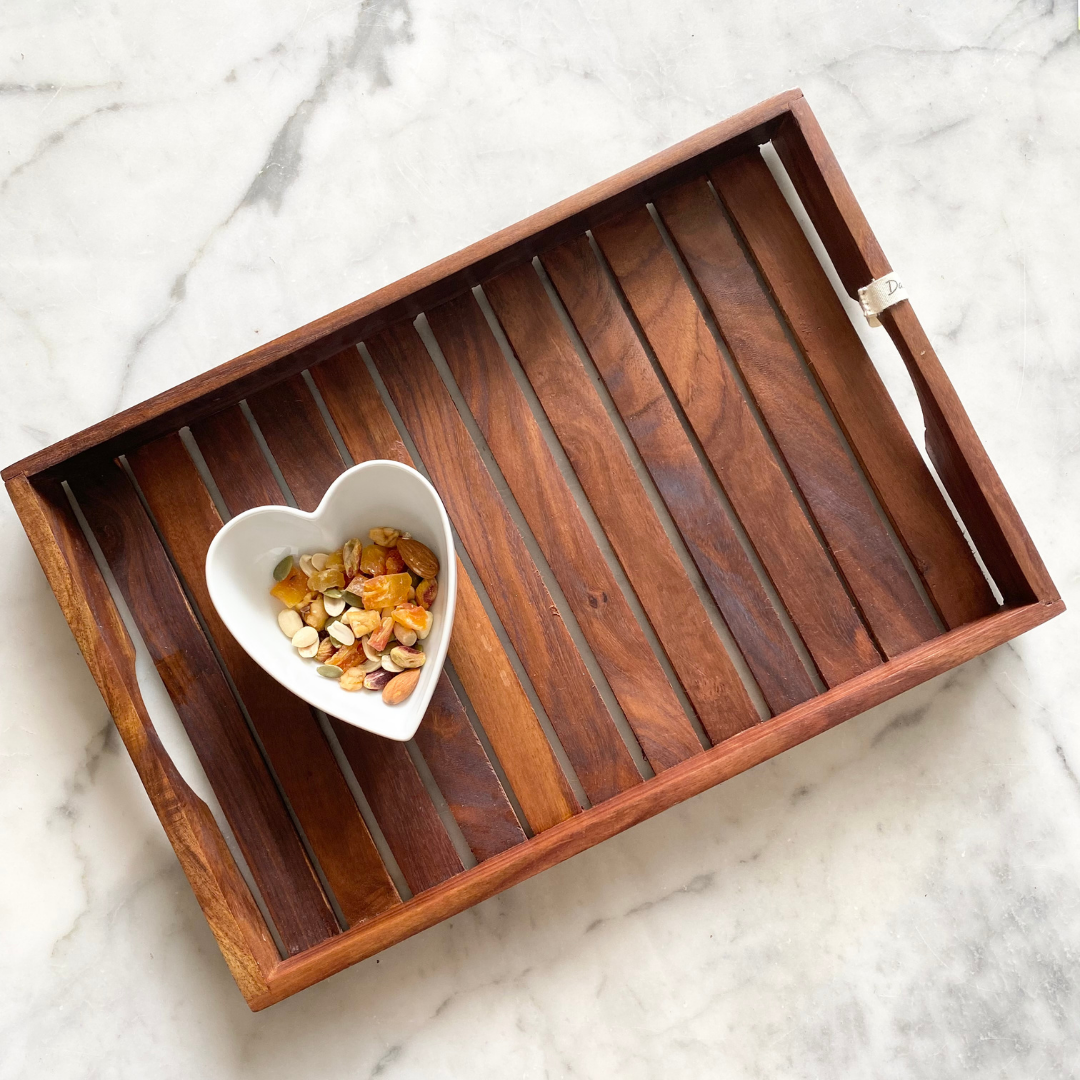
{"x": 381, "y": 638}
{"x": 346, "y": 657}
{"x": 386, "y": 590}
{"x": 373, "y": 560}
{"x": 413, "y": 617}
{"x": 292, "y": 589}
{"x": 330, "y": 578}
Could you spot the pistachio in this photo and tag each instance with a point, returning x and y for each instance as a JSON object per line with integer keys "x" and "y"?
{"x": 376, "y": 680}
{"x": 328, "y": 671}
{"x": 281, "y": 571}
{"x": 400, "y": 686}
{"x": 289, "y": 621}
{"x": 405, "y": 656}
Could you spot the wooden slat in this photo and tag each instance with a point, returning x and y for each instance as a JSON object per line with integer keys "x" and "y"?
{"x": 617, "y": 641}
{"x": 877, "y": 435}
{"x": 752, "y": 479}
{"x": 386, "y": 774}
{"x": 298, "y": 437}
{"x": 619, "y": 501}
{"x": 291, "y": 737}
{"x": 240, "y": 471}
{"x": 224, "y": 896}
{"x": 679, "y": 476}
{"x": 205, "y": 704}
{"x": 530, "y": 617}
{"x": 785, "y": 396}
{"x": 476, "y": 653}
{"x": 954, "y": 447}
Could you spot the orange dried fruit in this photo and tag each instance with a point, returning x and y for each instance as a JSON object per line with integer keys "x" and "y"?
{"x": 373, "y": 560}
{"x": 346, "y": 657}
{"x": 426, "y": 592}
{"x": 395, "y": 564}
{"x": 292, "y": 588}
{"x": 413, "y": 617}
{"x": 418, "y": 558}
{"x": 381, "y": 638}
{"x": 386, "y": 590}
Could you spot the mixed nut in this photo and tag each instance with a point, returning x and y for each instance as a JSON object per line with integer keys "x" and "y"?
{"x": 361, "y": 612}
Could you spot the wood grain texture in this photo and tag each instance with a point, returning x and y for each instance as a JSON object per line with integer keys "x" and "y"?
{"x": 617, "y": 641}
{"x": 293, "y": 352}
{"x": 206, "y": 707}
{"x": 751, "y": 477}
{"x": 222, "y": 893}
{"x": 679, "y": 476}
{"x": 309, "y": 461}
{"x": 478, "y": 657}
{"x": 786, "y": 398}
{"x": 530, "y": 617}
{"x": 287, "y": 727}
{"x": 607, "y": 477}
{"x": 951, "y": 441}
{"x": 239, "y": 468}
{"x": 739, "y": 753}
{"x": 847, "y": 377}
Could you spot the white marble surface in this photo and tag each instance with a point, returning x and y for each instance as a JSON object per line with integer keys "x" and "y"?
{"x": 897, "y": 898}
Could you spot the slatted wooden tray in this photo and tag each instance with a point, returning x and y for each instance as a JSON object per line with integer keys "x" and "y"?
{"x": 696, "y": 533}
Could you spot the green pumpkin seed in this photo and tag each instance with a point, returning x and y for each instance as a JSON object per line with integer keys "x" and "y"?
{"x": 329, "y": 671}
{"x": 334, "y": 594}
{"x": 352, "y": 599}
{"x": 281, "y": 571}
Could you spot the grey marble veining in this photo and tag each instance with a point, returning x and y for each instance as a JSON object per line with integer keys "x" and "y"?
{"x": 897, "y": 898}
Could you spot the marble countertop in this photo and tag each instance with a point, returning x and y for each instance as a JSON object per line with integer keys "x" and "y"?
{"x": 896, "y": 898}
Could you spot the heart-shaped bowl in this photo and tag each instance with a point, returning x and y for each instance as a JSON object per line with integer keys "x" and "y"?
{"x": 239, "y": 574}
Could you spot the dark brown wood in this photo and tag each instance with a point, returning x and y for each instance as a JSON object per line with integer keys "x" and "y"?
{"x": 221, "y": 891}
{"x": 705, "y": 387}
{"x": 207, "y": 709}
{"x": 875, "y": 431}
{"x": 531, "y": 619}
{"x": 951, "y": 441}
{"x": 623, "y": 509}
{"x": 481, "y": 663}
{"x": 290, "y": 734}
{"x": 310, "y": 462}
{"x": 679, "y": 476}
{"x": 617, "y": 641}
{"x": 239, "y": 469}
{"x": 693, "y": 776}
{"x": 441, "y": 281}
{"x": 785, "y": 396}
{"x": 386, "y": 774}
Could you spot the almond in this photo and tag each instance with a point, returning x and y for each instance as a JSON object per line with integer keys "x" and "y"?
{"x": 400, "y": 687}
{"x": 419, "y": 559}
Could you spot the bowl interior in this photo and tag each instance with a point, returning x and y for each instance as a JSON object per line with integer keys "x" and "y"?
{"x": 239, "y": 574}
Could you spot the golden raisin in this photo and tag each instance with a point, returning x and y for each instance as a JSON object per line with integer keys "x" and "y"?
{"x": 325, "y": 651}
{"x": 346, "y": 657}
{"x": 350, "y": 557}
{"x": 395, "y": 564}
{"x": 373, "y": 560}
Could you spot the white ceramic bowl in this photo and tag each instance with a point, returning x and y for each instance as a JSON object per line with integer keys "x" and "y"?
{"x": 239, "y": 574}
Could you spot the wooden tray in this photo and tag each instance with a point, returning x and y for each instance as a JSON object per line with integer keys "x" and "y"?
{"x": 624, "y": 486}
